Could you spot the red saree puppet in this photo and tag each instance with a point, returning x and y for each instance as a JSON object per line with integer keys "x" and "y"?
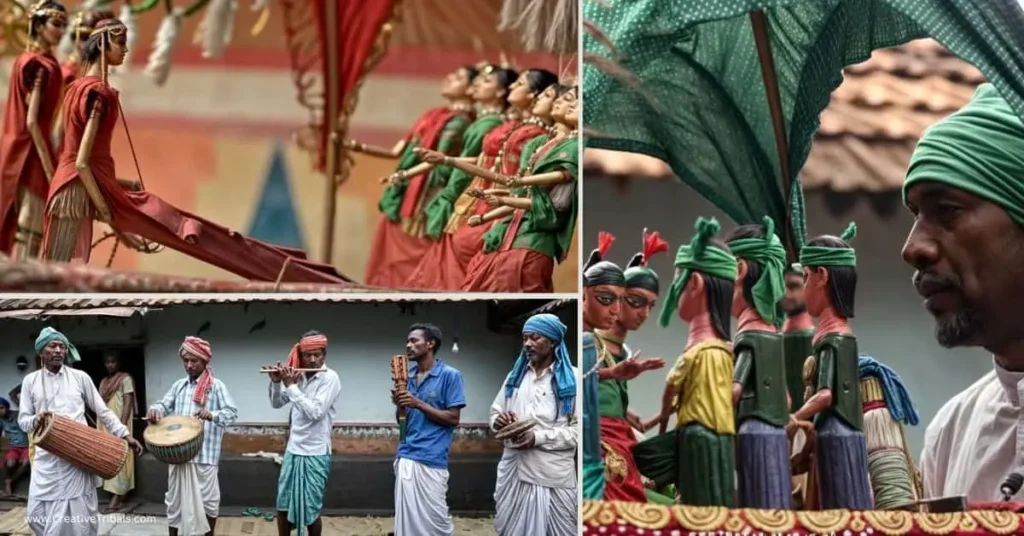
{"x": 444, "y": 265}
{"x": 21, "y": 170}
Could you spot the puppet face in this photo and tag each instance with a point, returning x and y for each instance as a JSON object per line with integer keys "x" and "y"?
{"x": 964, "y": 249}
{"x": 602, "y": 305}
{"x": 537, "y": 347}
{"x": 456, "y": 84}
{"x": 571, "y": 115}
{"x": 118, "y": 49}
{"x": 816, "y": 290}
{"x": 417, "y": 345}
{"x": 793, "y": 302}
{"x": 692, "y": 301}
{"x": 52, "y": 32}
{"x": 636, "y": 308}
{"x": 544, "y": 103}
{"x": 194, "y": 365}
{"x": 487, "y": 89}
{"x": 53, "y": 354}
{"x": 312, "y": 358}
{"x": 519, "y": 93}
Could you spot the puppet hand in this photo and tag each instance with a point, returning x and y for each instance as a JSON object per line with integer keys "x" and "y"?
{"x": 634, "y": 420}
{"x": 430, "y": 157}
{"x": 475, "y": 221}
{"x": 493, "y": 200}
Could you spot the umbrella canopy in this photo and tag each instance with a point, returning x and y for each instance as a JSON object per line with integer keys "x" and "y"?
{"x": 696, "y": 97}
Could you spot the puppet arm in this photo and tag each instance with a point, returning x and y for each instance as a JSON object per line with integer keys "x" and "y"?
{"x": 35, "y": 101}
{"x": 422, "y": 167}
{"x": 377, "y": 150}
{"x": 543, "y": 179}
{"x": 490, "y": 215}
{"x": 82, "y": 165}
{"x": 507, "y": 201}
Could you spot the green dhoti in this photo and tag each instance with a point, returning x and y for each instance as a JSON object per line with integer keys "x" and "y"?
{"x": 705, "y": 471}
{"x": 301, "y": 488}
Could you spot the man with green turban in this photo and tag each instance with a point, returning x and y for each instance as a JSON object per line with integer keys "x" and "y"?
{"x": 759, "y": 381}
{"x": 830, "y": 264}
{"x": 797, "y": 329}
{"x": 61, "y": 497}
{"x": 965, "y": 187}
{"x": 619, "y": 425}
{"x": 699, "y": 453}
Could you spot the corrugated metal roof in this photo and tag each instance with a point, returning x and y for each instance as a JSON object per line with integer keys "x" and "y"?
{"x": 57, "y": 303}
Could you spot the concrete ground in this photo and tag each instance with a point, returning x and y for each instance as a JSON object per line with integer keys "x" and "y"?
{"x": 140, "y": 521}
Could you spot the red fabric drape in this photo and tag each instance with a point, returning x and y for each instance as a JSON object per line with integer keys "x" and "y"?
{"x": 358, "y": 23}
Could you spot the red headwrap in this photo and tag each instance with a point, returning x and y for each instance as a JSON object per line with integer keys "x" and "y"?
{"x": 306, "y": 344}
{"x": 201, "y": 349}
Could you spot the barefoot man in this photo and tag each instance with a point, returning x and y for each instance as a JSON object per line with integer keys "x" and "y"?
{"x": 307, "y": 460}
{"x": 194, "y": 485}
{"x": 535, "y": 493}
{"x": 433, "y": 399}
{"x": 62, "y": 497}
{"x": 15, "y": 460}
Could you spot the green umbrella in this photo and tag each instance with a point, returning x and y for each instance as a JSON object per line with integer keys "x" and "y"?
{"x": 729, "y": 92}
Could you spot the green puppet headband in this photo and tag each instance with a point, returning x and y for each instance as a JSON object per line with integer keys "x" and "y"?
{"x": 771, "y": 254}
{"x": 831, "y": 257}
{"x": 638, "y": 274}
{"x": 698, "y": 256}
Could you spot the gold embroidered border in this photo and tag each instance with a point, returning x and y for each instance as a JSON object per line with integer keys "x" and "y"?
{"x": 709, "y": 519}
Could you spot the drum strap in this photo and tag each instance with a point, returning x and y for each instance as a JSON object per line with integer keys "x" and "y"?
{"x": 47, "y": 400}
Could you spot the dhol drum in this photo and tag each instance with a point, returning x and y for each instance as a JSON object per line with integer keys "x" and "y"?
{"x": 175, "y": 439}
{"x": 86, "y": 448}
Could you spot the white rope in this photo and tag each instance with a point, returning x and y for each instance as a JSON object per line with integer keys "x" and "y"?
{"x": 217, "y": 27}
{"x": 159, "y": 66}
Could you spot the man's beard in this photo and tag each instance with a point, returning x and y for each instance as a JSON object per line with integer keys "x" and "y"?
{"x": 961, "y": 329}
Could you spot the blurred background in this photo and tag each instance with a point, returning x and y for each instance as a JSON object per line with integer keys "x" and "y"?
{"x": 218, "y": 138}
{"x": 855, "y": 173}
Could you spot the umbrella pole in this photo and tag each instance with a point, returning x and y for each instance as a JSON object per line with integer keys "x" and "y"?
{"x": 332, "y": 136}
{"x": 771, "y": 84}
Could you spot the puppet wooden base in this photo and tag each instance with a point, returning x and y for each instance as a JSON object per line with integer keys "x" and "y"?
{"x": 625, "y": 518}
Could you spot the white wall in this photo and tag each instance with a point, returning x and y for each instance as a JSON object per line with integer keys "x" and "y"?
{"x": 891, "y": 324}
{"x": 362, "y": 339}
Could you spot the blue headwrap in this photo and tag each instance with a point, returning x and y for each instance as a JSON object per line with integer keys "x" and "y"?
{"x": 564, "y": 381}
{"x": 49, "y": 335}
{"x": 896, "y": 396}
{"x": 5, "y": 403}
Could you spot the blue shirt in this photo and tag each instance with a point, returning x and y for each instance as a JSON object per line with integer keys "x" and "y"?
{"x": 427, "y": 441}
{"x": 16, "y": 436}
{"x": 179, "y": 401}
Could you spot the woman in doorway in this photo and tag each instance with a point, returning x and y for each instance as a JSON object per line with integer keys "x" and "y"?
{"x": 118, "y": 391}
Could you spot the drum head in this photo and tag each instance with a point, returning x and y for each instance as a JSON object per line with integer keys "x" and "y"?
{"x": 173, "y": 430}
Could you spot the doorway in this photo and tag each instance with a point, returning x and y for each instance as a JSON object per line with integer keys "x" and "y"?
{"x": 132, "y": 359}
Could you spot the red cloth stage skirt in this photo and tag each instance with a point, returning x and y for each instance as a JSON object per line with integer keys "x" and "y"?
{"x": 635, "y": 518}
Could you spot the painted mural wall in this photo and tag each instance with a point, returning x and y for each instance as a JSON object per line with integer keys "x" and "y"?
{"x": 217, "y": 140}
{"x": 362, "y": 339}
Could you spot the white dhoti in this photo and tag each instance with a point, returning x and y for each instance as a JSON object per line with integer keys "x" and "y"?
{"x": 193, "y": 494}
{"x": 525, "y": 509}
{"x": 64, "y": 517}
{"x": 421, "y": 500}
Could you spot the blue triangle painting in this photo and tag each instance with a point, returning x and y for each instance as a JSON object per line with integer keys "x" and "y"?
{"x": 275, "y": 220}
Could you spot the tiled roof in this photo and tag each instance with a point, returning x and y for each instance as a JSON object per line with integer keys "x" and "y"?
{"x": 871, "y": 126}
{"x": 60, "y": 303}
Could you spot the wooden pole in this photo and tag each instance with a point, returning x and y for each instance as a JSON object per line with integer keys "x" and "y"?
{"x": 334, "y": 157}
{"x": 771, "y": 84}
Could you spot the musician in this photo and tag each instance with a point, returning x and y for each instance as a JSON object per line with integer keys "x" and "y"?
{"x": 535, "y": 492}
{"x": 14, "y": 462}
{"x": 307, "y": 460}
{"x": 193, "y": 483}
{"x": 61, "y": 497}
{"x": 433, "y": 399}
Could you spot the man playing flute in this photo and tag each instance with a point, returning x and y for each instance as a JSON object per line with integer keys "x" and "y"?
{"x": 307, "y": 460}
{"x": 194, "y": 486}
{"x": 535, "y": 493}
{"x": 61, "y": 497}
{"x": 433, "y": 398}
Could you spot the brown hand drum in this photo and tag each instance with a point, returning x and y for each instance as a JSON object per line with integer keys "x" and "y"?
{"x": 86, "y": 448}
{"x": 175, "y": 440}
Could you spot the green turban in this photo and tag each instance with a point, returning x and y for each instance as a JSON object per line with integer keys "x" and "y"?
{"x": 770, "y": 253}
{"x": 979, "y": 149}
{"x": 698, "y": 256}
{"x": 48, "y": 335}
{"x": 827, "y": 256}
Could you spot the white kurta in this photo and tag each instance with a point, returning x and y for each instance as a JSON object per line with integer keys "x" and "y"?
{"x": 535, "y": 492}
{"x": 61, "y": 497}
{"x": 972, "y": 443}
{"x": 421, "y": 500}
